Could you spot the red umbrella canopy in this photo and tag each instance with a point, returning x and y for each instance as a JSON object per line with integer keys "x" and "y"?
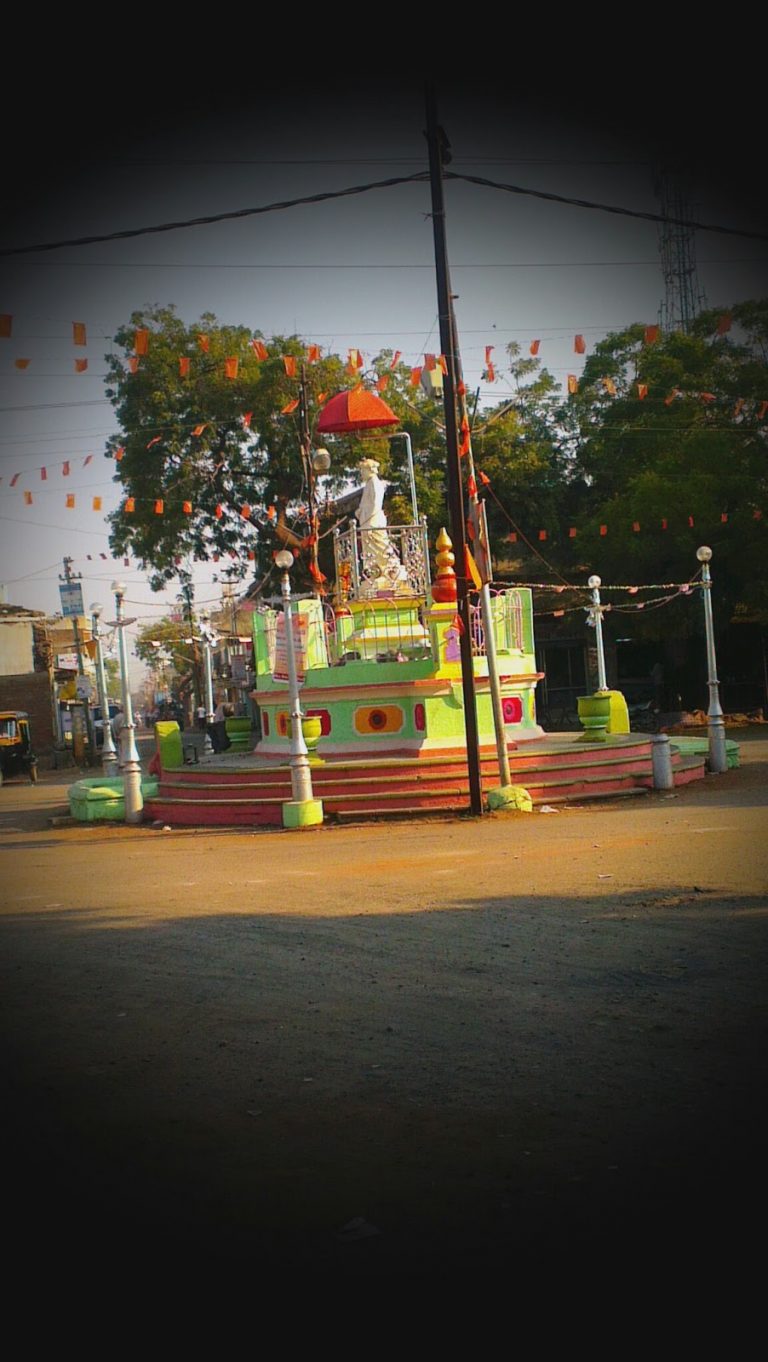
{"x": 357, "y": 409}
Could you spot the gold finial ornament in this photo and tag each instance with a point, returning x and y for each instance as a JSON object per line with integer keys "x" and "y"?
{"x": 444, "y": 586}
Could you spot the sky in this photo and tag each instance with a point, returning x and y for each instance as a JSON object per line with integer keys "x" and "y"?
{"x": 355, "y": 272}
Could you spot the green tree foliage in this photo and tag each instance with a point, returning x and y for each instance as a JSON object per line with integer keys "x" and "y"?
{"x": 183, "y": 441}
{"x": 691, "y": 448}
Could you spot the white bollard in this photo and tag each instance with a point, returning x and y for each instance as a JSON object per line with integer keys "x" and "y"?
{"x": 663, "y": 779}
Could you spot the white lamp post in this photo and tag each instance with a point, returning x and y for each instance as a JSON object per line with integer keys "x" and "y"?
{"x": 108, "y": 754}
{"x": 304, "y": 810}
{"x": 596, "y": 616}
{"x": 205, "y": 635}
{"x": 718, "y": 756}
{"x": 134, "y": 802}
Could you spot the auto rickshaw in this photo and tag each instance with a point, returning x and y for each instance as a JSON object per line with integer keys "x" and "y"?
{"x": 16, "y": 754}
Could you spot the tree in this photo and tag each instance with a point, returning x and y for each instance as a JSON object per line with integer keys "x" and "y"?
{"x": 666, "y": 442}
{"x": 209, "y": 446}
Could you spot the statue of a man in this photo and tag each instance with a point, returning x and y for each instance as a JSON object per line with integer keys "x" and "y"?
{"x": 380, "y": 561}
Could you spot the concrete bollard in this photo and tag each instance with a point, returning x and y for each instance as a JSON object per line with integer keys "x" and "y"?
{"x": 663, "y": 779}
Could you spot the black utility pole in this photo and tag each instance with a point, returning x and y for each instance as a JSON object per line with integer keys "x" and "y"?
{"x": 448, "y": 344}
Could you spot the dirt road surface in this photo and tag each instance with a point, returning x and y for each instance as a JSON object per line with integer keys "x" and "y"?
{"x": 428, "y": 1048}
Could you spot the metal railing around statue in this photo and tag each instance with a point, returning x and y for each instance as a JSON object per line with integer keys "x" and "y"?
{"x": 371, "y": 564}
{"x": 507, "y": 608}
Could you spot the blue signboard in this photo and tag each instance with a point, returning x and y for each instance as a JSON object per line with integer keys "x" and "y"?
{"x": 71, "y": 594}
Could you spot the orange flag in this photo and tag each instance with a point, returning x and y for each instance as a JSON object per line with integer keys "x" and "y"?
{"x": 119, "y": 454}
{"x": 133, "y": 363}
{"x": 88, "y": 459}
{"x": 762, "y": 411}
{"x": 471, "y": 569}
{"x": 198, "y": 430}
{"x": 289, "y": 407}
{"x": 159, "y": 506}
{"x": 395, "y": 358}
{"x": 97, "y": 503}
{"x": 81, "y": 365}
{"x": 610, "y": 386}
{"x": 186, "y": 507}
{"x": 579, "y": 345}
{"x": 490, "y": 373}
{"x": 669, "y": 400}
{"x": 636, "y": 526}
{"x": 290, "y": 365}
{"x": 65, "y": 469}
{"x": 542, "y": 534}
{"x": 443, "y": 362}
{"x": 572, "y": 533}
{"x": 21, "y": 363}
{"x": 231, "y": 366}
{"x": 724, "y": 518}
{"x": 246, "y": 418}
{"x": 155, "y": 441}
{"x": 573, "y": 383}
{"x": 260, "y": 350}
{"x": 183, "y": 366}
{"x": 6, "y": 324}
{"x": 707, "y": 397}
{"x": 429, "y": 363}
{"x": 78, "y": 333}
{"x": 415, "y": 377}
{"x": 219, "y": 511}
{"x": 642, "y": 390}
{"x": 130, "y": 505}
{"x": 355, "y": 359}
{"x": 603, "y": 530}
{"x": 651, "y": 334}
{"x": 43, "y": 474}
{"x": 535, "y": 347}
{"x": 511, "y": 538}
{"x": 70, "y": 502}
{"x": 204, "y": 342}
{"x": 245, "y": 512}
{"x": 313, "y": 353}
{"x": 381, "y": 382}
{"x": 27, "y": 498}
{"x": 321, "y": 397}
{"x": 141, "y": 342}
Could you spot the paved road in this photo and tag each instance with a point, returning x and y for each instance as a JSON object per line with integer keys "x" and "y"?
{"x": 409, "y": 1049}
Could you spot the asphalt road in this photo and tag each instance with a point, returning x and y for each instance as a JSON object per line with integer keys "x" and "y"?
{"x": 417, "y": 1049}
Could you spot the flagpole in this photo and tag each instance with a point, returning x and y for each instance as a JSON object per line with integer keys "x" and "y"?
{"x": 436, "y": 143}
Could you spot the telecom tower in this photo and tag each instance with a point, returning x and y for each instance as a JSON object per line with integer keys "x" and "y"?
{"x": 683, "y": 295}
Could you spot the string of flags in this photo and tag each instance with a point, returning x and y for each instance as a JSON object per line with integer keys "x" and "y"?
{"x": 356, "y": 362}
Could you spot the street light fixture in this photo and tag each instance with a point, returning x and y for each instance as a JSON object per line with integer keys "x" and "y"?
{"x": 108, "y": 754}
{"x": 596, "y": 618}
{"x": 134, "y": 802}
{"x": 718, "y": 756}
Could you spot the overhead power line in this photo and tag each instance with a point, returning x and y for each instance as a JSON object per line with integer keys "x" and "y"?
{"x": 327, "y": 195}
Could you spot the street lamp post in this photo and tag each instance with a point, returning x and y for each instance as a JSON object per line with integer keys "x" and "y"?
{"x": 718, "y": 757}
{"x": 134, "y": 802}
{"x": 596, "y": 615}
{"x": 109, "y": 761}
{"x": 304, "y": 810}
{"x": 205, "y": 635}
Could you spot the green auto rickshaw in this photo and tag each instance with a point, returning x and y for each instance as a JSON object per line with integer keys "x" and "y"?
{"x": 16, "y": 755}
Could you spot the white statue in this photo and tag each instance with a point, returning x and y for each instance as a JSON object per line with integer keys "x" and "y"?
{"x": 381, "y": 565}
